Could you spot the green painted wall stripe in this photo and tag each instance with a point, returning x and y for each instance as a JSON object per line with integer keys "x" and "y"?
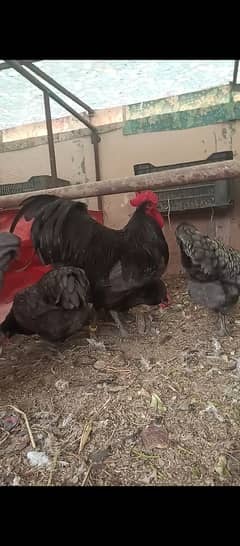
{"x": 186, "y": 101}
{"x": 184, "y": 119}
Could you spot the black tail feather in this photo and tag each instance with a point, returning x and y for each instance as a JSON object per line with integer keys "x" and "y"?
{"x": 30, "y": 207}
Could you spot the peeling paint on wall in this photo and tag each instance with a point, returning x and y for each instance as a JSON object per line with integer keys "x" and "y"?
{"x": 186, "y": 119}
{"x": 206, "y": 107}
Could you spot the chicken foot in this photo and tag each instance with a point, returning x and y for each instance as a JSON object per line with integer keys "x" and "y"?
{"x": 143, "y": 322}
{"x": 93, "y": 322}
{"x": 224, "y": 330}
{"x": 122, "y": 330}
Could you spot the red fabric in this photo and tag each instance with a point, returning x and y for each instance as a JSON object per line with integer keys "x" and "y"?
{"x": 27, "y": 268}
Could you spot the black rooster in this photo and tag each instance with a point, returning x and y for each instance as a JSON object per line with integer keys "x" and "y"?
{"x": 9, "y": 246}
{"x": 214, "y": 271}
{"x": 55, "y": 307}
{"x": 123, "y": 266}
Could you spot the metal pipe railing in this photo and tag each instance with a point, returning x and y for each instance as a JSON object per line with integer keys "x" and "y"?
{"x": 51, "y": 147}
{"x": 26, "y": 74}
{"x": 95, "y": 137}
{"x": 58, "y": 86}
{"x": 163, "y": 179}
{"x": 5, "y": 66}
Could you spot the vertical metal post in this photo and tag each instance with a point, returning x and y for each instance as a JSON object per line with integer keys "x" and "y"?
{"x": 48, "y": 93}
{"x": 235, "y": 72}
{"x": 50, "y": 135}
{"x": 95, "y": 140}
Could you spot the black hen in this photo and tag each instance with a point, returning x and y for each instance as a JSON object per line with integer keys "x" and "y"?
{"x": 55, "y": 307}
{"x": 214, "y": 271}
{"x": 9, "y": 246}
{"x": 119, "y": 264}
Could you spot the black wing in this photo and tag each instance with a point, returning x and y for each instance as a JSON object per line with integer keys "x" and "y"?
{"x": 66, "y": 287}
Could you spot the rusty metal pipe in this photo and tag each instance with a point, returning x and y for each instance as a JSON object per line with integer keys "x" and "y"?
{"x": 51, "y": 148}
{"x": 155, "y": 181}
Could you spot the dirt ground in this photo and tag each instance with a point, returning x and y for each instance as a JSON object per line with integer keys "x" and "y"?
{"x": 155, "y": 409}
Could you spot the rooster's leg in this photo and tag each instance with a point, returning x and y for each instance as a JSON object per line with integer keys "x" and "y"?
{"x": 140, "y": 322}
{"x": 118, "y": 323}
{"x": 3, "y": 342}
{"x": 143, "y": 322}
{"x": 93, "y": 322}
{"x": 224, "y": 331}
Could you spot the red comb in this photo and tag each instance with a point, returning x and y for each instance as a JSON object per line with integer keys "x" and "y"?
{"x": 143, "y": 196}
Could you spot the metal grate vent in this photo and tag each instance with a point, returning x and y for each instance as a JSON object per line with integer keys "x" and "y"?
{"x": 197, "y": 196}
{"x": 35, "y": 183}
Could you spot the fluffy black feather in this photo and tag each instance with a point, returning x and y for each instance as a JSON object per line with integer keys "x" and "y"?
{"x": 55, "y": 307}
